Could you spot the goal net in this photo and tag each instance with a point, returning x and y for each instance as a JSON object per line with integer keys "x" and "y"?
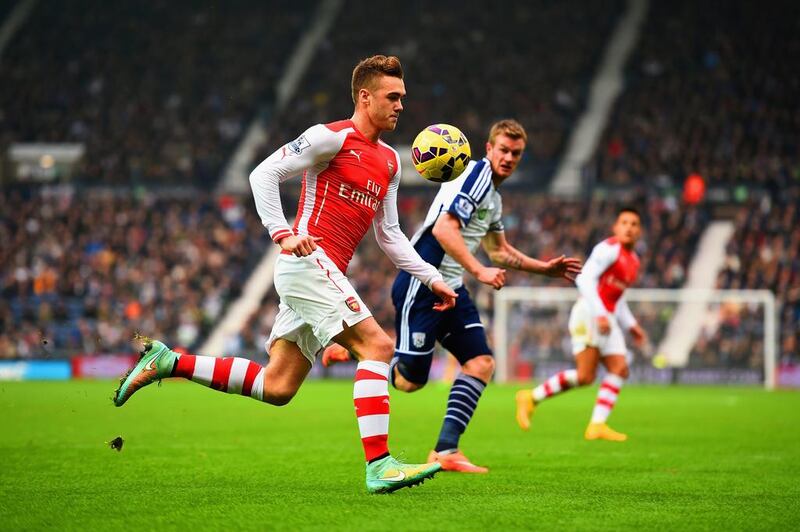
{"x": 695, "y": 336}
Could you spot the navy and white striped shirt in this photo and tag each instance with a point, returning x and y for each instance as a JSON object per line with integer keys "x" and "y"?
{"x": 472, "y": 198}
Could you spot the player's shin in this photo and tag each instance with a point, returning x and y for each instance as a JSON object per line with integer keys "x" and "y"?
{"x": 230, "y": 374}
{"x": 371, "y": 398}
{"x": 528, "y": 399}
{"x": 560, "y": 382}
{"x": 461, "y": 404}
{"x": 606, "y": 397}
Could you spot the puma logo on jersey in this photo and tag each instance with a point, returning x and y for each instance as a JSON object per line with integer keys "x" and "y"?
{"x": 356, "y": 154}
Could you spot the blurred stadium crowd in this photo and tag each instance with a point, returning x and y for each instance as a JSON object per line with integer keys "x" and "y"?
{"x": 763, "y": 253}
{"x": 708, "y": 91}
{"x": 522, "y": 67}
{"x": 173, "y": 109}
{"x": 80, "y": 274}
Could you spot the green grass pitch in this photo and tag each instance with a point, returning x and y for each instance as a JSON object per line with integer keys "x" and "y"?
{"x": 697, "y": 458}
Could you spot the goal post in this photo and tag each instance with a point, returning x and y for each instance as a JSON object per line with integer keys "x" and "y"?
{"x": 698, "y": 336}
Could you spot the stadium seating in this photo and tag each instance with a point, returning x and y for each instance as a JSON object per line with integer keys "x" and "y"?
{"x": 82, "y": 273}
{"x": 158, "y": 91}
{"x": 765, "y": 253}
{"x": 711, "y": 91}
{"x": 522, "y": 68}
{"x": 161, "y": 93}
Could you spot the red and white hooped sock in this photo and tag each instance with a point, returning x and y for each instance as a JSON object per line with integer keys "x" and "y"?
{"x": 231, "y": 374}
{"x": 560, "y": 382}
{"x": 606, "y": 397}
{"x": 371, "y": 398}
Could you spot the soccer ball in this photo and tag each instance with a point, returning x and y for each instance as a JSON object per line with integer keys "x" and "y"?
{"x": 440, "y": 153}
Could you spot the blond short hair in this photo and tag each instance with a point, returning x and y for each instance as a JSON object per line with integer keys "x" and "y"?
{"x": 368, "y": 70}
{"x": 509, "y": 127}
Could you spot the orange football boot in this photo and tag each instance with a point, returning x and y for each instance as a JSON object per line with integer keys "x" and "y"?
{"x": 601, "y": 431}
{"x": 456, "y": 461}
{"x": 525, "y": 408}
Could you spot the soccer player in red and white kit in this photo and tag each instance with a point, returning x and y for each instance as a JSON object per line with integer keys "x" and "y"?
{"x": 596, "y": 326}
{"x": 350, "y": 180}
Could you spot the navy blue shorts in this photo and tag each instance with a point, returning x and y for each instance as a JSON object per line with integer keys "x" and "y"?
{"x": 419, "y": 327}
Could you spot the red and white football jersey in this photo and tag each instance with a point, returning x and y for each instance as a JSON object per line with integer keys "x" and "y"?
{"x": 348, "y": 183}
{"x": 609, "y": 270}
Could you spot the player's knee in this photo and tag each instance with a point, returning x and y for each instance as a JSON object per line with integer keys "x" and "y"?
{"x": 278, "y": 398}
{"x": 585, "y": 377}
{"x": 385, "y": 348}
{"x": 381, "y": 349}
{"x": 481, "y": 367}
{"x": 411, "y": 373}
{"x": 407, "y": 386}
{"x": 279, "y": 394}
{"x": 622, "y": 371}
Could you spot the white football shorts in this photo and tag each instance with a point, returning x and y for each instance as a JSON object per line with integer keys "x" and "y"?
{"x": 315, "y": 299}
{"x": 584, "y": 333}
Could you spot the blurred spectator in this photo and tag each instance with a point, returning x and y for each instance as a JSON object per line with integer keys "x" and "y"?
{"x": 81, "y": 272}
{"x": 711, "y": 89}
{"x": 158, "y": 91}
{"x": 765, "y": 253}
{"x": 462, "y": 67}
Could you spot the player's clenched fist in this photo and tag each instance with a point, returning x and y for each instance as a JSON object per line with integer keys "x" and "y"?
{"x": 299, "y": 245}
{"x": 494, "y": 277}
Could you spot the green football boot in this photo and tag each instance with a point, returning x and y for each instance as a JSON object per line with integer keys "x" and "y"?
{"x": 155, "y": 363}
{"x": 388, "y": 474}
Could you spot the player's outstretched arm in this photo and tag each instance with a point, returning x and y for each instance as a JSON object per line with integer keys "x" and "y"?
{"x": 447, "y": 230}
{"x": 506, "y": 255}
